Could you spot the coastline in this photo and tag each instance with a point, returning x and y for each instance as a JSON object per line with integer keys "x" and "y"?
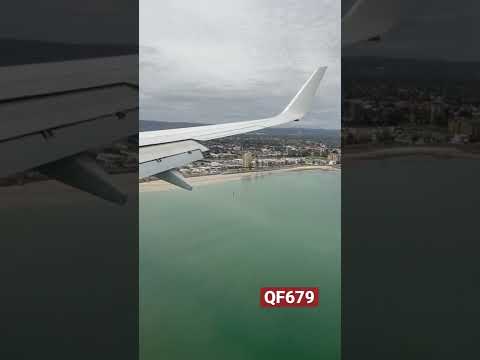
{"x": 382, "y": 152}
{"x": 160, "y": 185}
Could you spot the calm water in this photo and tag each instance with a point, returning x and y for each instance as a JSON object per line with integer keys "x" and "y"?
{"x": 205, "y": 254}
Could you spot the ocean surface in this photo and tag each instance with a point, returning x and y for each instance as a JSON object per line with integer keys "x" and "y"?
{"x": 205, "y": 254}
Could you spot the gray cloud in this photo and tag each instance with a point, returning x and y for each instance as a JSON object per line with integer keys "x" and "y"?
{"x": 430, "y": 29}
{"x": 237, "y": 60}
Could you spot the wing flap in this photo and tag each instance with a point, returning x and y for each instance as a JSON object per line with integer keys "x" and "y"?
{"x": 174, "y": 177}
{"x": 161, "y": 158}
{"x": 82, "y": 172}
{"x": 29, "y": 151}
{"x": 154, "y": 152}
{"x": 23, "y": 117}
{"x": 158, "y": 166}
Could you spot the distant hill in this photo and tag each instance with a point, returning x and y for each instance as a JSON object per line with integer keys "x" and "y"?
{"x": 299, "y": 132}
{"x": 17, "y": 52}
{"x": 373, "y": 68}
{"x": 149, "y": 125}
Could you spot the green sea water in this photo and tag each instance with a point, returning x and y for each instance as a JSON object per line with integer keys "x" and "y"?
{"x": 205, "y": 254}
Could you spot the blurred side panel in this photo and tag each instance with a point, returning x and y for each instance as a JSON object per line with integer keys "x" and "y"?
{"x": 69, "y": 180}
{"x": 410, "y": 175}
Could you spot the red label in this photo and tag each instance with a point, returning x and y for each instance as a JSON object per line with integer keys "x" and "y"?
{"x": 273, "y": 297}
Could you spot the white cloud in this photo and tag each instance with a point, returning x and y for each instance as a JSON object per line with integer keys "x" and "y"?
{"x": 224, "y": 60}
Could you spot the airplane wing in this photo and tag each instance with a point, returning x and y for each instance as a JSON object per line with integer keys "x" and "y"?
{"x": 161, "y": 152}
{"x": 369, "y": 19}
{"x": 53, "y": 113}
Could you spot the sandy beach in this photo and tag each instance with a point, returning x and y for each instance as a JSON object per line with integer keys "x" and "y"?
{"x": 404, "y": 151}
{"x": 161, "y": 185}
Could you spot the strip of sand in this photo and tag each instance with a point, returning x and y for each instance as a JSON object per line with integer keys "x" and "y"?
{"x": 404, "y": 151}
{"x": 161, "y": 185}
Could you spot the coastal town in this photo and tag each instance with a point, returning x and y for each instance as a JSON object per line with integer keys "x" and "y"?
{"x": 382, "y": 106}
{"x": 257, "y": 152}
{"x": 425, "y": 119}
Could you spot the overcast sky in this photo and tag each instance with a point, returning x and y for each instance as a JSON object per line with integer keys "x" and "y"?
{"x": 430, "y": 29}
{"x": 224, "y": 60}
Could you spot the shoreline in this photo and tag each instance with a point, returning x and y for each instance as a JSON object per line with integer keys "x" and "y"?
{"x": 160, "y": 185}
{"x": 382, "y": 152}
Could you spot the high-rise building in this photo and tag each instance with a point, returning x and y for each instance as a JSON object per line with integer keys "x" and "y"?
{"x": 247, "y": 159}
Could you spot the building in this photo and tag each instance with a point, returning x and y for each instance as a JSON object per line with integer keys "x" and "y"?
{"x": 465, "y": 126}
{"x": 438, "y": 112}
{"x": 334, "y": 157}
{"x": 354, "y": 111}
{"x": 247, "y": 159}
